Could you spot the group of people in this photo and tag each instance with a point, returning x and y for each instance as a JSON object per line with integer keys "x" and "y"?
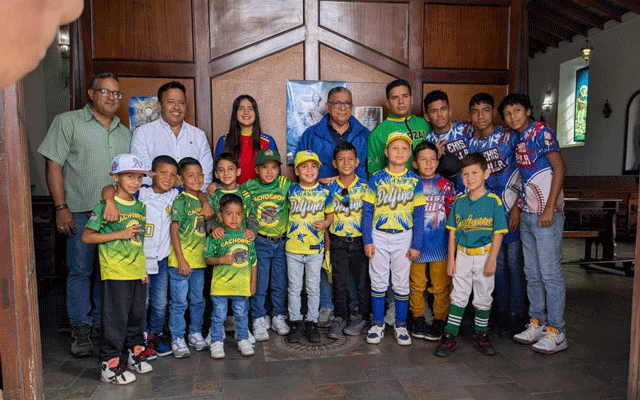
{"x": 377, "y": 221}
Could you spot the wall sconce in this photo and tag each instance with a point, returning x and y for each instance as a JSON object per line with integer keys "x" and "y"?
{"x": 64, "y": 41}
{"x": 548, "y": 102}
{"x": 586, "y": 51}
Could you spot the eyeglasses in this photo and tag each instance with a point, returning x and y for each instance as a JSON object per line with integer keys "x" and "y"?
{"x": 341, "y": 104}
{"x": 345, "y": 197}
{"x": 107, "y": 92}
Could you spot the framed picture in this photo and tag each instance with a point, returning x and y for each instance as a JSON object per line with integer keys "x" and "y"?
{"x": 142, "y": 109}
{"x": 632, "y": 135}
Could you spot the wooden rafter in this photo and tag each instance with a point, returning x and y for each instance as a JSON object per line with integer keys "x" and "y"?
{"x": 573, "y": 10}
{"x": 612, "y": 11}
{"x": 541, "y": 23}
{"x": 537, "y": 8}
{"x": 632, "y": 5}
{"x": 543, "y": 37}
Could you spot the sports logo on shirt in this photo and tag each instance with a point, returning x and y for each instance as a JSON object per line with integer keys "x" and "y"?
{"x": 200, "y": 228}
{"x": 267, "y": 214}
{"x": 240, "y": 255}
{"x": 494, "y": 160}
{"x": 457, "y": 147}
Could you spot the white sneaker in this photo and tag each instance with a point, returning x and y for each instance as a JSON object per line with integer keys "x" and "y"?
{"x": 390, "y": 316}
{"x": 279, "y": 324}
{"x": 251, "y": 339}
{"x": 112, "y": 372}
{"x": 532, "y": 334}
{"x": 375, "y": 334}
{"x": 260, "y": 330}
{"x": 267, "y": 321}
{"x": 138, "y": 363}
{"x": 217, "y": 350}
{"x": 197, "y": 341}
{"x": 552, "y": 342}
{"x": 324, "y": 317}
{"x": 245, "y": 347}
{"x": 179, "y": 348}
{"x": 402, "y": 335}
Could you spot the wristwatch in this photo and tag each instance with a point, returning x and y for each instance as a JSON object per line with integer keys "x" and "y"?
{"x": 61, "y": 206}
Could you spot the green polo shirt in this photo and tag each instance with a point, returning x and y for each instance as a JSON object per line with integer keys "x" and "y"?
{"x": 80, "y": 143}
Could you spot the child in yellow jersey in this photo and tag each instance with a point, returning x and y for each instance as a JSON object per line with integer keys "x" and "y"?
{"x": 123, "y": 272}
{"x": 305, "y": 244}
{"x": 186, "y": 263}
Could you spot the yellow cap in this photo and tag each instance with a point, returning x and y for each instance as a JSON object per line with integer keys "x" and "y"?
{"x": 398, "y": 135}
{"x": 306, "y": 155}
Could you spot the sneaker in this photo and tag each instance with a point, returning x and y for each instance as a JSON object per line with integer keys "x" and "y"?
{"x": 390, "y": 315}
{"x": 483, "y": 344}
{"x": 245, "y": 347}
{"x": 324, "y": 319}
{"x": 197, "y": 341}
{"x": 337, "y": 326}
{"x": 267, "y": 322}
{"x": 356, "y": 325}
{"x": 251, "y": 338}
{"x": 162, "y": 344}
{"x": 81, "y": 345}
{"x": 217, "y": 350}
{"x": 279, "y": 324}
{"x": 552, "y": 342}
{"x": 149, "y": 352}
{"x": 229, "y": 324}
{"x": 447, "y": 345}
{"x": 312, "y": 333}
{"x": 434, "y": 331}
{"x": 376, "y": 332}
{"x": 418, "y": 327}
{"x": 260, "y": 330}
{"x": 532, "y": 334}
{"x": 295, "y": 333}
{"x": 402, "y": 334}
{"x": 138, "y": 363}
{"x": 96, "y": 330}
{"x": 112, "y": 372}
{"x": 179, "y": 348}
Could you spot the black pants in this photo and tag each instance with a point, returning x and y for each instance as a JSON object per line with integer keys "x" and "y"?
{"x": 123, "y": 312}
{"x": 348, "y": 258}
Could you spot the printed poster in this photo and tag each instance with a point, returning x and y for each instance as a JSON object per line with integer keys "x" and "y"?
{"x": 142, "y": 109}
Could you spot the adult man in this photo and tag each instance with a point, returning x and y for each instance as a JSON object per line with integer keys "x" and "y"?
{"x": 400, "y": 119}
{"x": 171, "y": 135}
{"x": 337, "y": 126}
{"x": 79, "y": 147}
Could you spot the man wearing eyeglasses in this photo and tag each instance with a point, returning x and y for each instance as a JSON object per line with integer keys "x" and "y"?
{"x": 78, "y": 148}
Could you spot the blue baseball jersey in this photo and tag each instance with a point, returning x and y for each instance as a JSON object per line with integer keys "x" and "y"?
{"x": 476, "y": 221}
{"x": 456, "y": 138}
{"x": 439, "y": 196}
{"x": 345, "y": 202}
{"x": 536, "y": 140}
{"x": 306, "y": 206}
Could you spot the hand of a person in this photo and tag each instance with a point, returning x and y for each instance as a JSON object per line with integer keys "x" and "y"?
{"x": 211, "y": 189}
{"x": 413, "y": 254}
{"x": 111, "y": 212}
{"x": 227, "y": 259}
{"x": 489, "y": 267}
{"x": 327, "y": 180}
{"x": 206, "y": 211}
{"x": 451, "y": 268}
{"x": 130, "y": 232}
{"x": 440, "y": 145}
{"x": 249, "y": 235}
{"x": 217, "y": 232}
{"x": 184, "y": 268}
{"x": 369, "y": 250}
{"x": 514, "y": 218}
{"x": 320, "y": 225}
{"x": 65, "y": 222}
{"x": 546, "y": 218}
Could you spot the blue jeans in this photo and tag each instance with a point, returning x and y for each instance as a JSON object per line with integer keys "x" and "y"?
{"x": 326, "y": 291}
{"x": 542, "y": 249}
{"x": 157, "y": 298}
{"x": 240, "y": 307}
{"x": 510, "y": 282}
{"x": 272, "y": 263}
{"x": 307, "y": 267}
{"x": 181, "y": 286}
{"x": 81, "y": 259}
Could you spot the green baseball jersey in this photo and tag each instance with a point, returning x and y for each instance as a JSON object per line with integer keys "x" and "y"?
{"x": 214, "y": 202}
{"x": 416, "y": 127}
{"x": 121, "y": 260}
{"x": 192, "y": 230}
{"x": 476, "y": 221}
{"x": 231, "y": 279}
{"x": 270, "y": 204}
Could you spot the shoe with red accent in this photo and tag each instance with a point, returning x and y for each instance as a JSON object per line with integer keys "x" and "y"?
{"x": 552, "y": 342}
{"x": 447, "y": 345}
{"x": 113, "y": 372}
{"x": 149, "y": 347}
{"x": 483, "y": 344}
{"x": 138, "y": 362}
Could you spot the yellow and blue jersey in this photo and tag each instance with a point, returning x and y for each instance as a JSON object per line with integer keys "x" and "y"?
{"x": 346, "y": 202}
{"x": 306, "y": 206}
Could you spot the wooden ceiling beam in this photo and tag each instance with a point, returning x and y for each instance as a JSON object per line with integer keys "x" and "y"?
{"x": 612, "y": 11}
{"x": 560, "y": 20}
{"x": 575, "y": 11}
{"x": 539, "y": 22}
{"x": 543, "y": 37}
{"x": 535, "y": 47}
{"x": 632, "y": 5}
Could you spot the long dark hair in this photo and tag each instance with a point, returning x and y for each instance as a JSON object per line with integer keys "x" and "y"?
{"x": 232, "y": 142}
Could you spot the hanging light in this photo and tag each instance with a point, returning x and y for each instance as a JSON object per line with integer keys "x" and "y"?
{"x": 586, "y": 51}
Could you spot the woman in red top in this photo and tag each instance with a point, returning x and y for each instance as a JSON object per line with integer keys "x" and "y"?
{"x": 245, "y": 137}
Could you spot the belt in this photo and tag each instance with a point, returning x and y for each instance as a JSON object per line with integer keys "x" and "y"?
{"x": 274, "y": 239}
{"x": 392, "y": 230}
{"x": 475, "y": 251}
{"x": 347, "y": 239}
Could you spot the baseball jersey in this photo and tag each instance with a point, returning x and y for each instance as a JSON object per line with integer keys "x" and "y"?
{"x": 456, "y": 138}
{"x": 214, "y": 202}
{"x": 439, "y": 196}
{"x": 306, "y": 206}
{"x": 536, "y": 172}
{"x": 499, "y": 149}
{"x": 157, "y": 238}
{"x": 346, "y": 208}
{"x": 191, "y": 230}
{"x": 121, "y": 260}
{"x": 231, "y": 279}
{"x": 476, "y": 221}
{"x": 270, "y": 204}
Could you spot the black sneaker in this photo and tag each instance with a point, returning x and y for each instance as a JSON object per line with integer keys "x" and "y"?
{"x": 483, "y": 344}
{"x": 295, "y": 333}
{"x": 418, "y": 327}
{"x": 312, "y": 332}
{"x": 162, "y": 345}
{"x": 81, "y": 345}
{"x": 434, "y": 331}
{"x": 447, "y": 345}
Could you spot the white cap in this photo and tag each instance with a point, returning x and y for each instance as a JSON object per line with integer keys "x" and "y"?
{"x": 128, "y": 163}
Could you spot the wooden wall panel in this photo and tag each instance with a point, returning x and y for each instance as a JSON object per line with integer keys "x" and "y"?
{"x": 142, "y": 30}
{"x": 149, "y": 87}
{"x": 465, "y": 37}
{"x": 239, "y": 23}
{"x": 261, "y": 81}
{"x": 459, "y": 96}
{"x": 383, "y": 27}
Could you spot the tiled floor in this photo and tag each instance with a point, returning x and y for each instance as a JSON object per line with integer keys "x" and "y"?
{"x": 594, "y": 366}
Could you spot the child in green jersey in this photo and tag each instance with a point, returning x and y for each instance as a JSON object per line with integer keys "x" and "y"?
{"x": 123, "y": 272}
{"x": 234, "y": 275}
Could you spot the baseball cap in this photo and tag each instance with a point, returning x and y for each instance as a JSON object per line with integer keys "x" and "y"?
{"x": 398, "y": 135}
{"x": 306, "y": 155}
{"x": 128, "y": 163}
{"x": 265, "y": 155}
